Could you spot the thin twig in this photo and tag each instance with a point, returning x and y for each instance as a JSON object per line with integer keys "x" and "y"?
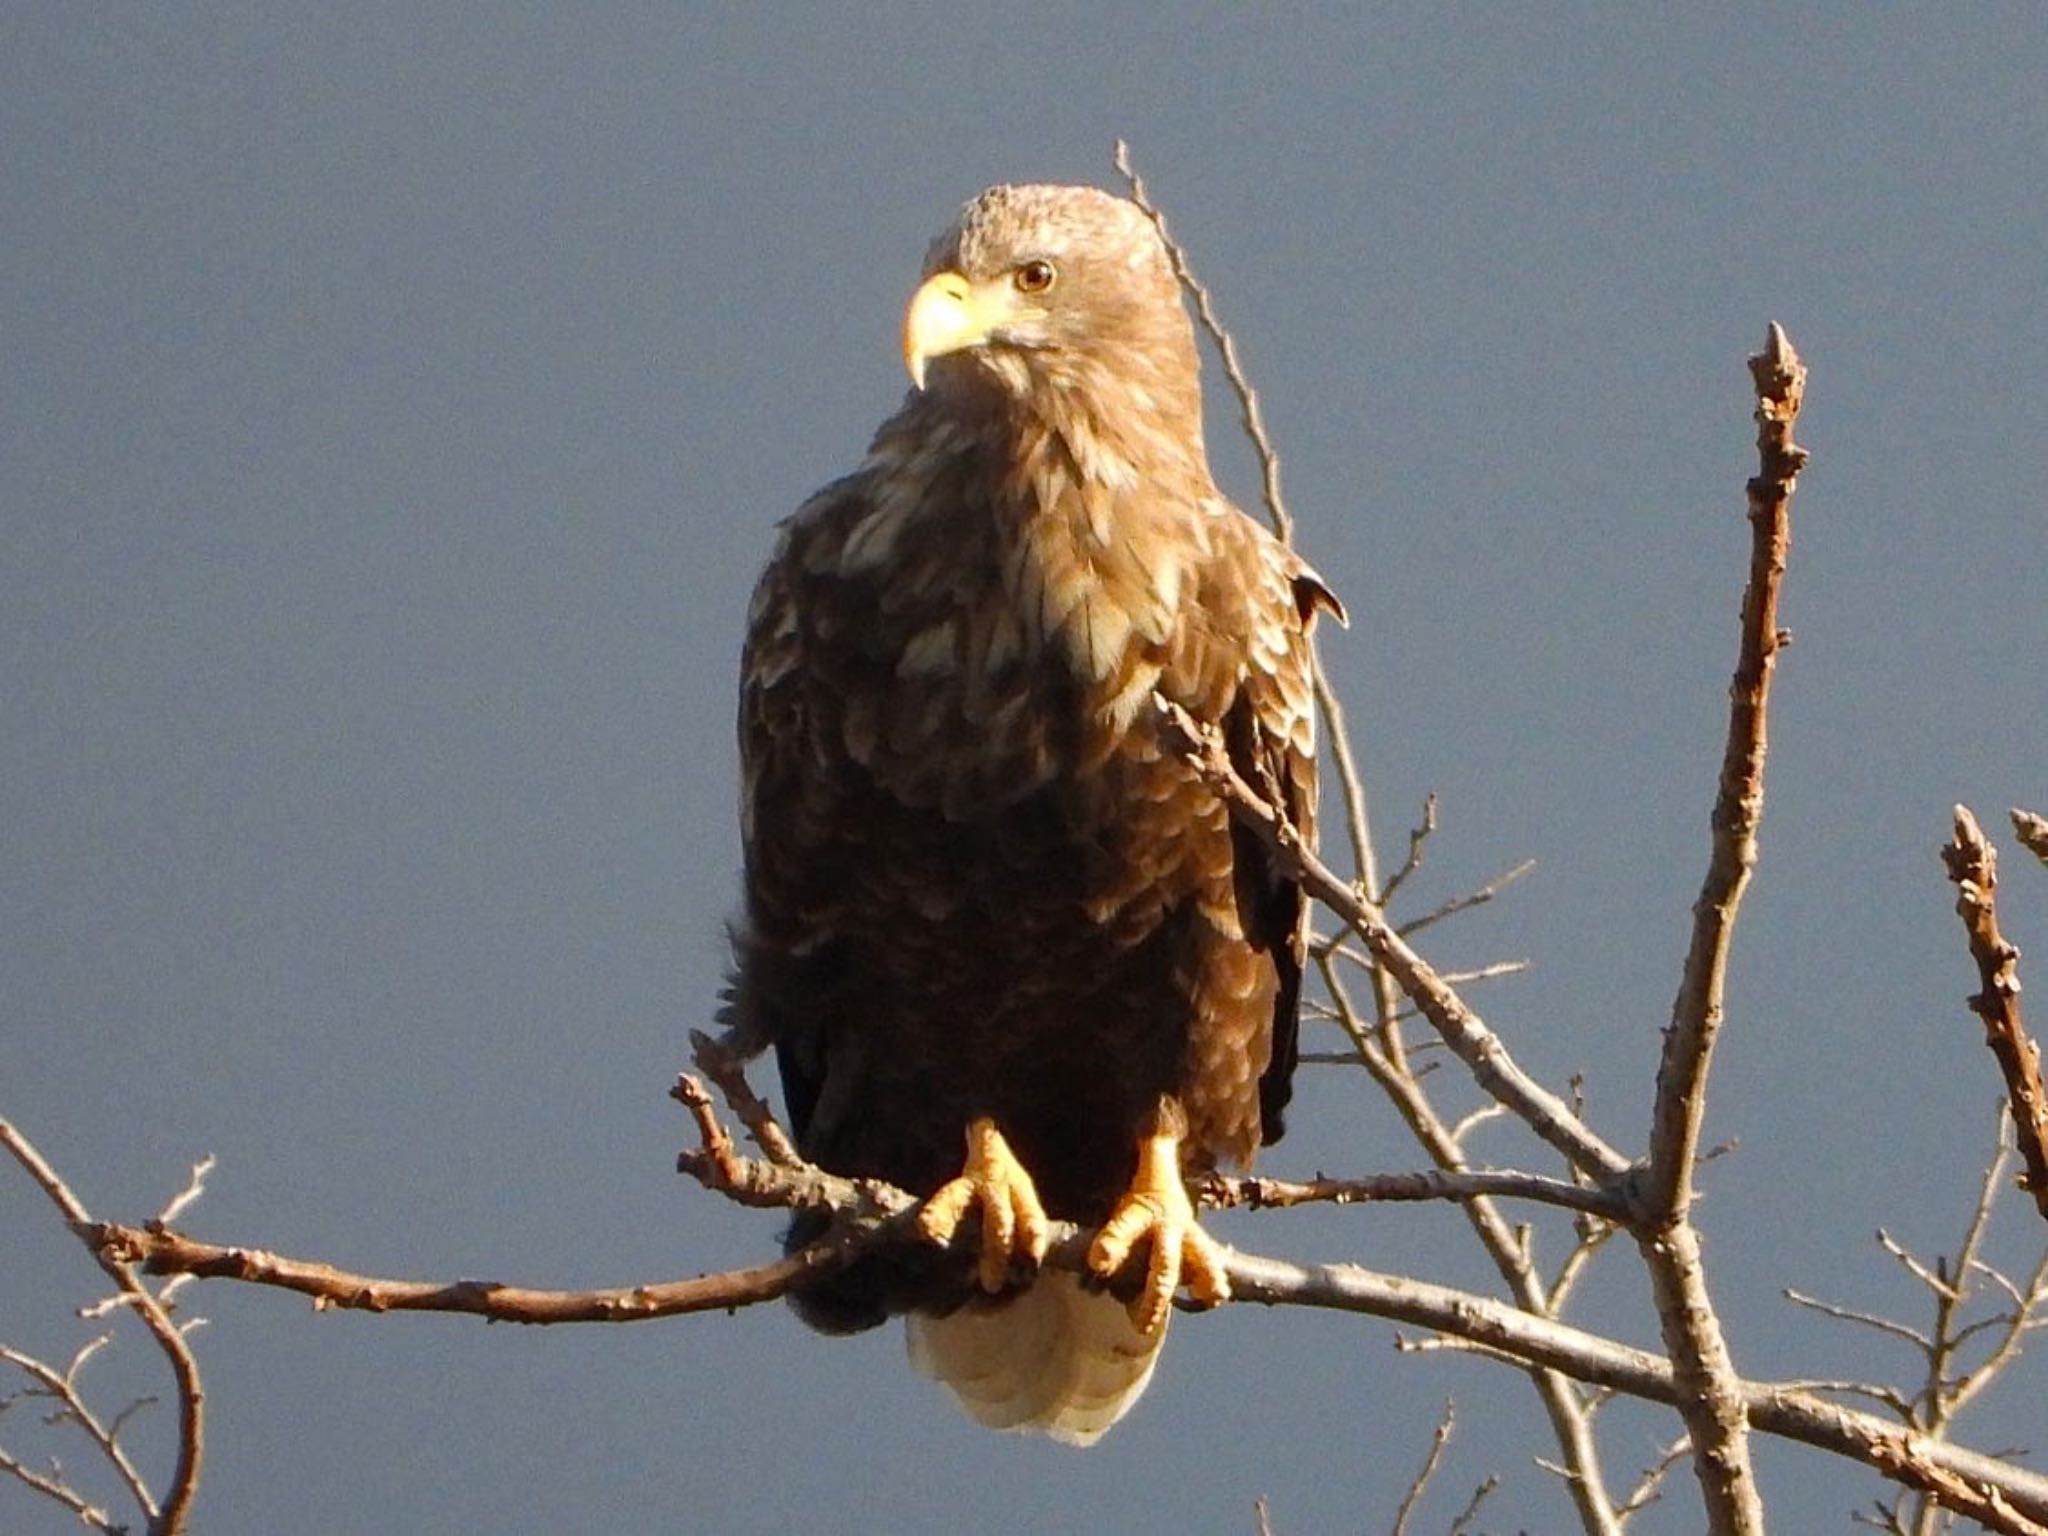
{"x": 1939, "y": 1284}
{"x": 1417, "y": 837}
{"x": 1252, "y": 419}
{"x": 1331, "y": 709}
{"x": 1591, "y": 1237}
{"x": 2011, "y": 1329}
{"x": 1466, "y": 902}
{"x": 1258, "y": 1193}
{"x": 1437, "y": 1441}
{"x": 1883, "y": 1517}
{"x": 51, "y": 1485}
{"x": 717, "y": 1060}
{"x": 1645, "y": 1492}
{"x": 1871, "y": 1320}
{"x": 1942, "y": 1400}
{"x": 1470, "y": 1512}
{"x": 1889, "y": 1398}
{"x": 62, "y": 1387}
{"x": 1738, "y": 808}
{"x": 195, "y": 1186}
{"x": 1562, "y": 1404}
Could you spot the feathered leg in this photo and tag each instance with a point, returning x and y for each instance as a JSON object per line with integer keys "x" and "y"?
{"x": 1013, "y": 1219}
{"x": 1156, "y": 1211}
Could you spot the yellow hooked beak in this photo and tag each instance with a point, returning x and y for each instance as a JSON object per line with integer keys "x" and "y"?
{"x": 950, "y": 314}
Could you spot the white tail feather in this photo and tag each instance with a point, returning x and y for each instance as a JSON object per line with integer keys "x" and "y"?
{"x": 1053, "y": 1360}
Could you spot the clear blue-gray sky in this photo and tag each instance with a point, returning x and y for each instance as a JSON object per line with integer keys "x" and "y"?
{"x": 394, "y": 412}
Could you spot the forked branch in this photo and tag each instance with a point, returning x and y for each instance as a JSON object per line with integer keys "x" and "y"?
{"x": 169, "y": 1517}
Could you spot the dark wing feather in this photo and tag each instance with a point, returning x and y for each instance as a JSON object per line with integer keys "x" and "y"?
{"x": 784, "y": 803}
{"x": 1270, "y": 735}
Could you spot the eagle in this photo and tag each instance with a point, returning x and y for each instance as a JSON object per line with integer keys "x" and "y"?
{"x": 1011, "y": 953}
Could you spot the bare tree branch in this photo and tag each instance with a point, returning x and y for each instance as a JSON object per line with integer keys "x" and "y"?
{"x": 1377, "y": 1050}
{"x": 1770, "y": 1407}
{"x": 1253, "y": 420}
{"x": 1973, "y": 866}
{"x": 51, "y": 1485}
{"x": 163, "y": 1251}
{"x": 1466, "y": 902}
{"x": 1471, "y": 1510}
{"x": 1909, "y": 1461}
{"x": 169, "y": 1519}
{"x": 1645, "y": 1493}
{"x": 1485, "y": 1055}
{"x": 875, "y": 1213}
{"x": 1493, "y": 1325}
{"x": 1418, "y": 835}
{"x": 1869, "y": 1320}
{"x": 1738, "y": 808}
{"x": 1260, "y": 1193}
{"x": 62, "y": 1388}
{"x": 717, "y": 1060}
{"x": 1560, "y": 1400}
{"x": 1437, "y": 1441}
{"x": 1664, "y": 1232}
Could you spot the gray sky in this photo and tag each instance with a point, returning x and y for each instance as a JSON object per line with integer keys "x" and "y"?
{"x": 393, "y": 415}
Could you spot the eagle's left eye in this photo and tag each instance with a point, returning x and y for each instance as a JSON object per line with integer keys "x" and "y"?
{"x": 1034, "y": 277}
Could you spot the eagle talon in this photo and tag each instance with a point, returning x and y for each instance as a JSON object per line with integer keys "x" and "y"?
{"x": 1157, "y": 1212}
{"x": 1013, "y": 1220}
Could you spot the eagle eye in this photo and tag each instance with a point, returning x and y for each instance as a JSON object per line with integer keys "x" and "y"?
{"x": 1034, "y": 277}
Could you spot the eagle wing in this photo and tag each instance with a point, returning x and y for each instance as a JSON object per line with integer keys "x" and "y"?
{"x": 1266, "y": 599}
{"x": 792, "y": 828}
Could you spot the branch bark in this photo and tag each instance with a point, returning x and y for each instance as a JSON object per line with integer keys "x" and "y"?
{"x": 1259, "y": 1193}
{"x": 1973, "y": 866}
{"x": 2032, "y": 831}
{"x": 876, "y": 1213}
{"x": 1670, "y": 1244}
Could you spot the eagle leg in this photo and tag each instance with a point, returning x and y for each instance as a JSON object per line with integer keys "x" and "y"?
{"x": 1156, "y": 1210}
{"x": 1013, "y": 1220}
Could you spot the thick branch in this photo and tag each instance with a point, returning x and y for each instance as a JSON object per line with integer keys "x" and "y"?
{"x": 1973, "y": 866}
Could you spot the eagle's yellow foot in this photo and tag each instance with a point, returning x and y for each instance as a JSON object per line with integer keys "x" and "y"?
{"x": 1013, "y": 1220}
{"x": 1156, "y": 1210}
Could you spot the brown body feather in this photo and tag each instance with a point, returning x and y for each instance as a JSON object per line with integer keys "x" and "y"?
{"x": 977, "y": 881}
